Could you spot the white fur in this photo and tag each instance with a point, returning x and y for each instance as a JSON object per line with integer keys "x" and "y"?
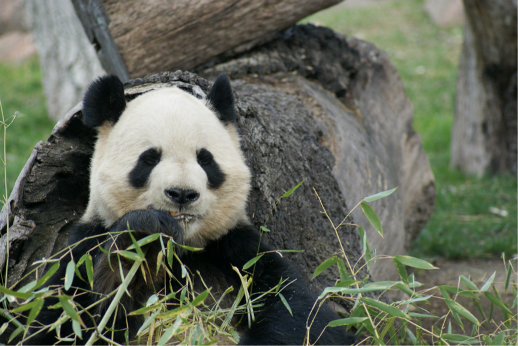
{"x": 180, "y": 125}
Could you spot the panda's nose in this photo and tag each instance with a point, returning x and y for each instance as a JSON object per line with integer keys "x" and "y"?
{"x": 182, "y": 196}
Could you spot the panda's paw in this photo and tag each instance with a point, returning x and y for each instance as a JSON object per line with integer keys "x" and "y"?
{"x": 149, "y": 221}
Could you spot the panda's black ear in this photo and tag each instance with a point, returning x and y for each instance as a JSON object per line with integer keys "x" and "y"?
{"x": 104, "y": 101}
{"x": 222, "y": 100}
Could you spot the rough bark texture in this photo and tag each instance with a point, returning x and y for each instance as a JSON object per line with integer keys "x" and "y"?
{"x": 484, "y": 133}
{"x": 158, "y": 35}
{"x": 363, "y": 117}
{"x": 311, "y": 107}
{"x": 68, "y": 61}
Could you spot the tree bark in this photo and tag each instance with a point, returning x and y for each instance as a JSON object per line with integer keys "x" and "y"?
{"x": 484, "y": 133}
{"x": 363, "y": 116}
{"x": 68, "y": 61}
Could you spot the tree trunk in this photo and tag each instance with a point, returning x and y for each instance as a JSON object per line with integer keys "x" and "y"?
{"x": 484, "y": 133}
{"x": 311, "y": 107}
{"x": 68, "y": 61}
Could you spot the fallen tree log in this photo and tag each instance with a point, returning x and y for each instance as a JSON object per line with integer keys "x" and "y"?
{"x": 312, "y": 107}
{"x": 160, "y": 35}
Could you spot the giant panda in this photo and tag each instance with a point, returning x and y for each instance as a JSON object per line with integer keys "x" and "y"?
{"x": 168, "y": 162}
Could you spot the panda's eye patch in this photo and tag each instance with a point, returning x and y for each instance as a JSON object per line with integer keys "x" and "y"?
{"x": 150, "y": 157}
{"x": 145, "y": 164}
{"x": 214, "y": 173}
{"x": 205, "y": 157}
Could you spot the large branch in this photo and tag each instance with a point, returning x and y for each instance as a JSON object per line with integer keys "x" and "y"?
{"x": 158, "y": 35}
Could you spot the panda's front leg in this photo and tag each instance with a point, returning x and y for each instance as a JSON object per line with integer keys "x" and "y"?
{"x": 138, "y": 223}
{"x": 274, "y": 323}
{"x": 107, "y": 278}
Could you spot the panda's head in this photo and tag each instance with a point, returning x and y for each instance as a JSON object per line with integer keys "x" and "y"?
{"x": 167, "y": 150}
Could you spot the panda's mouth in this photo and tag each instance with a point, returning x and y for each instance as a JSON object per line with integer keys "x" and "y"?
{"x": 181, "y": 217}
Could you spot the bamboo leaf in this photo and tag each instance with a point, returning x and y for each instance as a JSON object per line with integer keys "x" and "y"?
{"x": 468, "y": 283}
{"x": 189, "y": 248}
{"x": 344, "y": 275}
{"x": 414, "y": 262}
{"x": 401, "y": 270}
{"x": 285, "y": 303}
{"x": 457, "y": 338}
{"x": 131, "y": 255}
{"x": 498, "y": 303}
{"x": 324, "y": 265}
{"x": 174, "y": 312}
{"x": 379, "y": 195}
{"x": 345, "y": 290}
{"x": 35, "y": 311}
{"x": 136, "y": 246}
{"x": 76, "y": 327}
{"x": 488, "y": 283}
{"x": 264, "y": 229}
{"x": 418, "y": 315}
{"x": 148, "y": 322}
{"x": 159, "y": 258}
{"x": 16, "y": 294}
{"x": 15, "y": 333}
{"x": 454, "y": 306}
{"x": 391, "y": 310}
{"x": 372, "y": 217}
{"x": 69, "y": 308}
{"x": 346, "y": 283}
{"x": 47, "y": 276}
{"x": 89, "y": 269}
{"x": 200, "y": 298}
{"x": 169, "y": 332}
{"x": 69, "y": 275}
{"x": 252, "y": 262}
{"x": 144, "y": 241}
{"x": 346, "y": 321}
{"x": 170, "y": 253}
{"x": 25, "y": 307}
{"x": 365, "y": 246}
{"x": 499, "y": 340}
{"x": 290, "y": 191}
{"x": 508, "y": 278}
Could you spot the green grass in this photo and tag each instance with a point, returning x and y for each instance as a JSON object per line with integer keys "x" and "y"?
{"x": 427, "y": 56}
{"x": 21, "y": 91}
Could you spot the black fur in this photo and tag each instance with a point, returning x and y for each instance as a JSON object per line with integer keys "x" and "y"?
{"x": 145, "y": 164}
{"x": 104, "y": 101}
{"x": 273, "y": 325}
{"x": 222, "y": 99}
{"x": 214, "y": 173}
